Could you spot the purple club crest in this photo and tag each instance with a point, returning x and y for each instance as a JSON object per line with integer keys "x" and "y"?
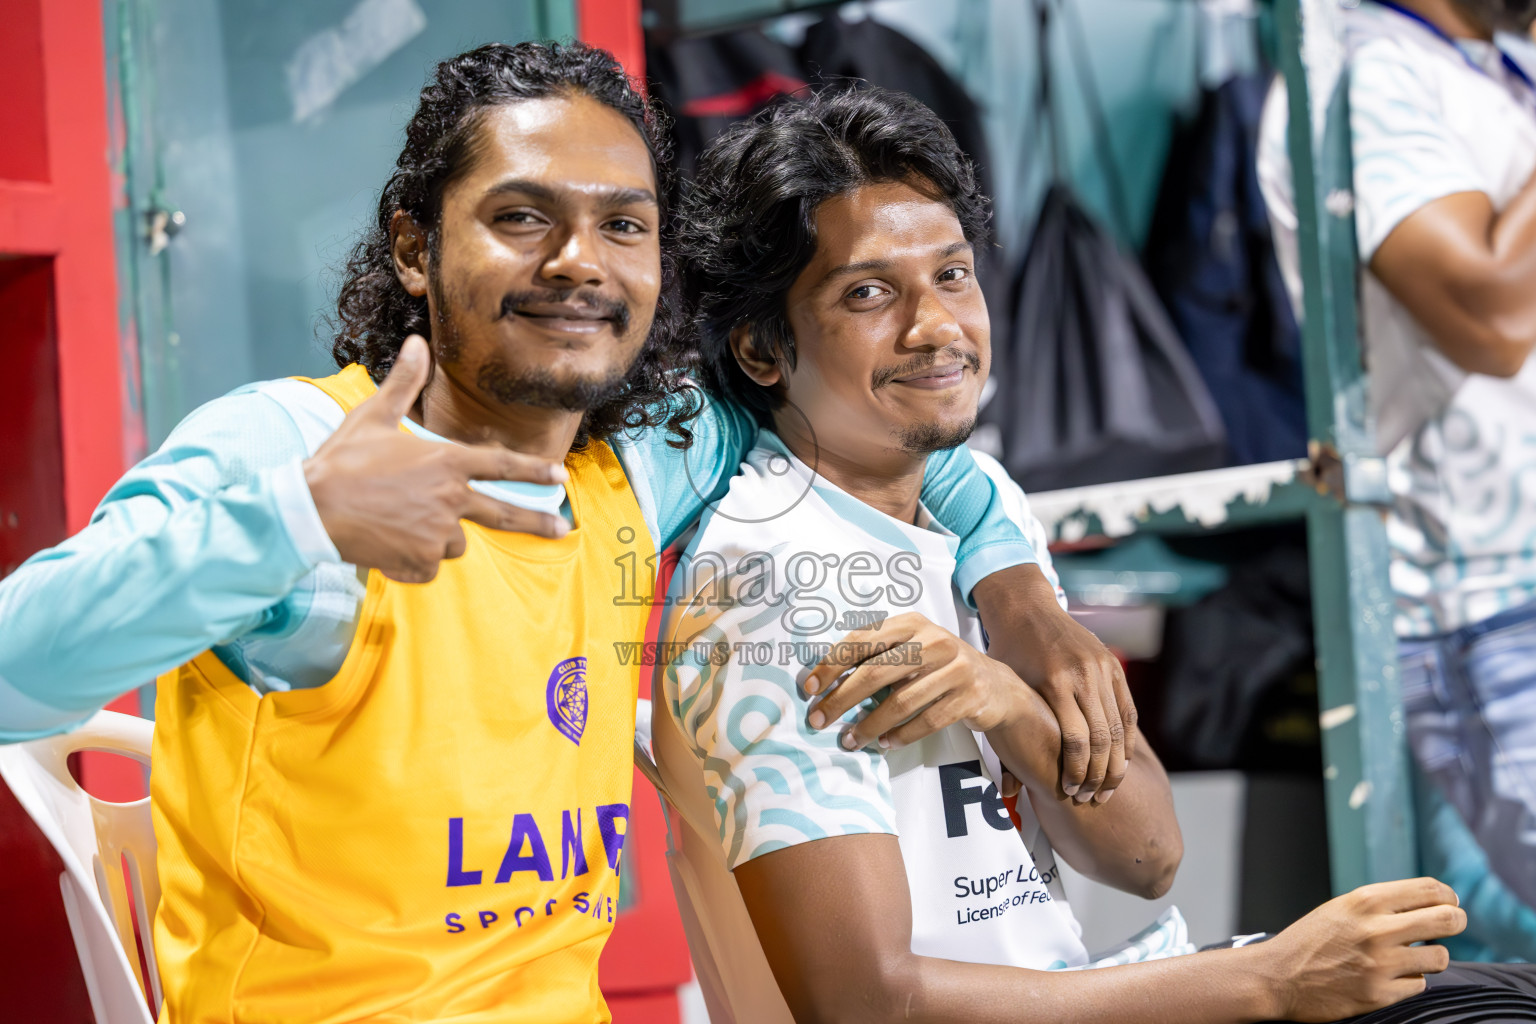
{"x": 566, "y": 697}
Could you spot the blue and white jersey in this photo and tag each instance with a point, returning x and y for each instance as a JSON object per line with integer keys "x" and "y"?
{"x": 1431, "y": 119}
{"x": 775, "y": 576}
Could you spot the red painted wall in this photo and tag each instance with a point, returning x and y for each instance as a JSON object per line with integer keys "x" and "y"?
{"x": 615, "y": 26}
{"x": 61, "y": 426}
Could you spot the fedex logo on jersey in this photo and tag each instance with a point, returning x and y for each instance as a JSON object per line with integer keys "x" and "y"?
{"x": 958, "y": 794}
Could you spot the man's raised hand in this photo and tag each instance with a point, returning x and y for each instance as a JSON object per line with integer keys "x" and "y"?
{"x": 1078, "y": 676}
{"x": 393, "y": 502}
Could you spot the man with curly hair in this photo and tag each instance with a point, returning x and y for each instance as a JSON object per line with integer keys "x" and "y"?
{"x": 389, "y": 608}
{"x": 836, "y": 863}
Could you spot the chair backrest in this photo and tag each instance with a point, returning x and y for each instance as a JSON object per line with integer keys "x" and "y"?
{"x": 109, "y": 883}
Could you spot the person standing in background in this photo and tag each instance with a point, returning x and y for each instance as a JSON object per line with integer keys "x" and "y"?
{"x": 1443, "y": 117}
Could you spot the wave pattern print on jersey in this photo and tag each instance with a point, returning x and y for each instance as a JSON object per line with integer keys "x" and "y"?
{"x": 755, "y": 605}
{"x": 758, "y": 801}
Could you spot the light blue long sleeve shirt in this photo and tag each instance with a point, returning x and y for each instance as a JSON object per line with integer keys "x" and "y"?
{"x": 213, "y": 542}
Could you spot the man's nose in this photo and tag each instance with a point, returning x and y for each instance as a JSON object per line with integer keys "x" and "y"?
{"x": 933, "y": 326}
{"x": 575, "y": 262}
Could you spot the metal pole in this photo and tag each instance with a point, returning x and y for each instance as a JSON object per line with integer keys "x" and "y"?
{"x": 1369, "y": 799}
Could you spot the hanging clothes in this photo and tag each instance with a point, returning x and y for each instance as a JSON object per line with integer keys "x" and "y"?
{"x": 1239, "y": 666}
{"x": 1211, "y": 257}
{"x": 710, "y": 82}
{"x": 1094, "y": 384}
{"x": 880, "y": 55}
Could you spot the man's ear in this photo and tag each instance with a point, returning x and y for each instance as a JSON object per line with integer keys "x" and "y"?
{"x": 761, "y": 367}
{"x": 408, "y": 246}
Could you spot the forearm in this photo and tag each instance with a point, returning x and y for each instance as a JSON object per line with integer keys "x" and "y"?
{"x": 1505, "y": 296}
{"x": 1131, "y": 842}
{"x": 1219, "y": 987}
{"x": 140, "y": 591}
{"x": 833, "y": 918}
{"x": 1468, "y": 275}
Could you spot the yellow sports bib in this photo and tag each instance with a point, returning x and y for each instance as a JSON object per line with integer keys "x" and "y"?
{"x": 434, "y": 834}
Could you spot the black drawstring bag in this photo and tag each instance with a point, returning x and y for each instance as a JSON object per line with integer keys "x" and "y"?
{"x": 1094, "y": 383}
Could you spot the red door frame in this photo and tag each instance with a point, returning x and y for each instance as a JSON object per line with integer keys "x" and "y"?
{"x": 615, "y": 26}
{"x": 68, "y": 217}
{"x": 56, "y": 210}
{"x": 65, "y": 215}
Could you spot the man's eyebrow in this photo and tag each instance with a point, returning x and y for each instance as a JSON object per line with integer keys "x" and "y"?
{"x": 613, "y": 196}
{"x": 864, "y": 266}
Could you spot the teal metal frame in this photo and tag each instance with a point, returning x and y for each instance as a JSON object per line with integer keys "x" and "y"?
{"x": 1366, "y": 774}
{"x": 1343, "y": 495}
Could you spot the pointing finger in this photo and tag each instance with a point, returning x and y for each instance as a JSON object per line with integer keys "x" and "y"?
{"x": 493, "y": 462}
{"x": 501, "y": 515}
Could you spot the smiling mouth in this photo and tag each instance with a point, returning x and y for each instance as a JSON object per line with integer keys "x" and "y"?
{"x": 585, "y": 312}
{"x": 568, "y": 320}
{"x": 936, "y": 373}
{"x": 935, "y": 378}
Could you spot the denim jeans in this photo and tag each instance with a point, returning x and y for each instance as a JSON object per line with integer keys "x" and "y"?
{"x": 1469, "y": 698}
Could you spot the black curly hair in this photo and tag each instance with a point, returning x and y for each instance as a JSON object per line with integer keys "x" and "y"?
{"x": 375, "y": 314}
{"x": 747, "y": 227}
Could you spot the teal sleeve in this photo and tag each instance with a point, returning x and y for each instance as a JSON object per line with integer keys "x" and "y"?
{"x": 673, "y": 486}
{"x": 188, "y": 550}
{"x": 963, "y": 499}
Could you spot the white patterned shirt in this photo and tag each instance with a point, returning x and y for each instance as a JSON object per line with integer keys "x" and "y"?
{"x": 1431, "y": 119}
{"x": 779, "y": 570}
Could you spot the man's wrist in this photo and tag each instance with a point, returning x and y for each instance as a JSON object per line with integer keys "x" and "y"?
{"x": 1029, "y": 738}
{"x": 1261, "y": 982}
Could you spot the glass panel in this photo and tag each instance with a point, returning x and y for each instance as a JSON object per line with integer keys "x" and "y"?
{"x": 268, "y": 126}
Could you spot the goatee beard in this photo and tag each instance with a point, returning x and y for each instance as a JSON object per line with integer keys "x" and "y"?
{"x": 925, "y": 438}
{"x": 542, "y": 389}
{"x": 536, "y": 386}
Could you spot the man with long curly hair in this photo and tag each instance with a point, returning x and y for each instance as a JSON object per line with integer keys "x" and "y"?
{"x": 390, "y": 609}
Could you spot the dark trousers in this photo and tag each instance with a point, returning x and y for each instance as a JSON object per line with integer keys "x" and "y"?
{"x": 1467, "y": 994}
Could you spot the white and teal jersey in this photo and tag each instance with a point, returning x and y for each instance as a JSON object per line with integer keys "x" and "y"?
{"x": 1432, "y": 119}
{"x": 775, "y": 576}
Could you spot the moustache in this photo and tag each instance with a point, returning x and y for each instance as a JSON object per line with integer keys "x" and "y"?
{"x": 613, "y": 310}
{"x": 883, "y": 377}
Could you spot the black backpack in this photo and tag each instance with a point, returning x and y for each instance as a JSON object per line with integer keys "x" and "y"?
{"x": 1094, "y": 384}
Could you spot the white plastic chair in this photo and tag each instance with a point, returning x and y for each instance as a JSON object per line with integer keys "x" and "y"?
{"x": 94, "y": 839}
